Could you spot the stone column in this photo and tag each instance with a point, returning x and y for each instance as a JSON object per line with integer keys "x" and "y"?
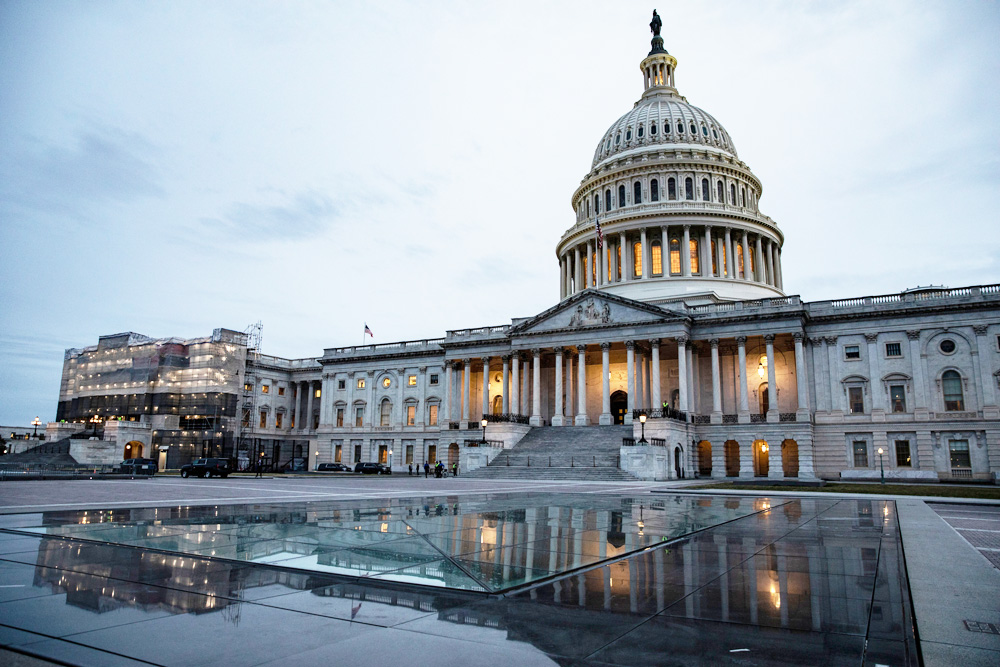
{"x": 466, "y": 388}
{"x": 744, "y": 411}
{"x": 630, "y": 372}
{"x": 801, "y": 383}
{"x": 730, "y": 263}
{"x": 557, "y": 416}
{"x": 686, "y": 252}
{"x": 536, "y": 388}
{"x": 716, "y": 386}
{"x": 581, "y": 392}
{"x": 988, "y": 391}
{"x": 486, "y": 386}
{"x": 746, "y": 256}
{"x": 626, "y": 267}
{"x": 706, "y": 253}
{"x": 875, "y": 377}
{"x": 645, "y": 252}
{"x": 400, "y": 417}
{"x": 298, "y": 405}
{"x": 569, "y": 389}
{"x": 504, "y": 384}
{"x": 719, "y": 258}
{"x": 601, "y": 273}
{"x": 640, "y": 379}
{"x": 836, "y": 393}
{"x": 449, "y": 414}
{"x": 605, "y": 419}
{"x": 654, "y": 374}
{"x": 758, "y": 261}
{"x": 772, "y": 387}
{"x": 777, "y": 269}
{"x": 692, "y": 368}
{"x": 421, "y": 400}
{"x": 917, "y": 368}
{"x": 524, "y": 387}
{"x": 592, "y": 271}
{"x": 577, "y": 270}
{"x": 682, "y": 374}
{"x": 515, "y": 384}
{"x": 309, "y": 411}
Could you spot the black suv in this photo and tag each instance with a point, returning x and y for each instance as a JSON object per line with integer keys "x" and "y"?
{"x": 370, "y": 468}
{"x": 207, "y": 468}
{"x": 138, "y": 467}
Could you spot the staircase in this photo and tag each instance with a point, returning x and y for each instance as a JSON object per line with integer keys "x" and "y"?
{"x": 587, "y": 453}
{"x": 55, "y": 454}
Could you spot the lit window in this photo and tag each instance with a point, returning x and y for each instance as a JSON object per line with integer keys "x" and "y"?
{"x": 411, "y": 415}
{"x": 265, "y": 389}
{"x": 247, "y": 387}
{"x": 637, "y": 260}
{"x": 860, "y": 454}
{"x": 671, "y": 189}
{"x": 695, "y": 267}
{"x": 618, "y": 264}
{"x": 317, "y": 393}
{"x": 637, "y": 193}
{"x": 386, "y": 382}
{"x": 593, "y": 268}
{"x": 656, "y": 257}
{"x": 432, "y": 416}
{"x": 281, "y": 391}
{"x": 959, "y": 451}
{"x": 947, "y": 346}
{"x": 340, "y": 416}
{"x": 278, "y": 420}
{"x": 359, "y": 416}
{"x": 739, "y": 259}
{"x": 263, "y": 419}
{"x": 903, "y": 454}
{"x": 434, "y": 378}
{"x": 897, "y": 397}
{"x": 852, "y": 352}
{"x": 621, "y": 196}
{"x": 607, "y": 264}
{"x": 893, "y": 350}
{"x": 856, "y": 400}
{"x": 412, "y": 380}
{"x": 675, "y": 256}
{"x": 951, "y": 385}
{"x": 715, "y": 260}
{"x": 361, "y": 384}
{"x": 338, "y": 454}
{"x": 654, "y": 189}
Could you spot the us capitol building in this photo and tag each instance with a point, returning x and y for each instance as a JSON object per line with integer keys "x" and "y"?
{"x": 672, "y": 308}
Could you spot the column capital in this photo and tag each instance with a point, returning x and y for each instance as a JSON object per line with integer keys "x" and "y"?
{"x": 467, "y": 361}
{"x": 449, "y": 363}
{"x": 913, "y": 334}
{"x": 714, "y": 342}
{"x": 558, "y": 349}
{"x": 830, "y": 340}
{"x": 687, "y": 227}
{"x": 654, "y": 342}
{"x": 741, "y": 340}
{"x": 682, "y": 340}
{"x": 582, "y": 348}
{"x": 487, "y": 360}
{"x": 536, "y": 352}
{"x": 816, "y": 341}
{"x": 871, "y": 337}
{"x": 505, "y": 358}
{"x": 799, "y": 336}
{"x": 605, "y": 345}
{"x": 769, "y": 338}
{"x": 979, "y": 329}
{"x": 630, "y": 345}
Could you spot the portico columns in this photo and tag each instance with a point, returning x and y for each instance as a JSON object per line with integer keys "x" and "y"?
{"x": 592, "y": 272}
{"x": 581, "y": 391}
{"x": 623, "y": 260}
{"x": 744, "y": 411}
{"x": 505, "y": 386}
{"x": 875, "y": 383}
{"x": 777, "y": 268}
{"x": 486, "y": 386}
{"x": 770, "y": 262}
{"x": 772, "y": 387}
{"x": 716, "y": 387}
{"x": 577, "y": 272}
{"x": 654, "y": 374}
{"x": 515, "y": 384}
{"x": 569, "y": 389}
{"x": 298, "y": 405}
{"x": 801, "y": 387}
{"x": 309, "y": 411}
{"x": 836, "y": 394}
{"x": 682, "y": 374}
{"x": 536, "y": 388}
{"x": 645, "y": 253}
{"x": 729, "y": 263}
{"x": 605, "y": 418}
{"x": 630, "y": 372}
{"x": 685, "y": 253}
{"x": 448, "y": 365}
{"x": 746, "y": 256}
{"x": 599, "y": 263}
{"x": 758, "y": 273}
{"x": 524, "y": 387}
{"x": 986, "y": 379}
{"x": 466, "y": 388}
{"x": 557, "y": 417}
{"x": 706, "y": 259}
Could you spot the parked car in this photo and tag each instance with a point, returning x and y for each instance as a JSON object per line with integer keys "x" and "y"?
{"x": 297, "y": 464}
{"x": 332, "y": 467}
{"x": 371, "y": 468}
{"x": 138, "y": 467}
{"x": 207, "y": 468}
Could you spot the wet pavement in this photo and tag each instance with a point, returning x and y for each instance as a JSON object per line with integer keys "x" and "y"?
{"x": 532, "y": 578}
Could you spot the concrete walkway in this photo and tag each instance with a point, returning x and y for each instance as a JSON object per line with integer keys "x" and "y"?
{"x": 950, "y": 584}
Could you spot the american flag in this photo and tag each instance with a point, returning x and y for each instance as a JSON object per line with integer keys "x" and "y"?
{"x": 368, "y": 331}
{"x": 600, "y": 235}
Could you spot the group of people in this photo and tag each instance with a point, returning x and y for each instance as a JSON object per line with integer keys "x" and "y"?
{"x": 440, "y": 469}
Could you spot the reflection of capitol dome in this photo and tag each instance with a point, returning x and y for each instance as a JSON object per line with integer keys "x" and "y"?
{"x": 665, "y": 178}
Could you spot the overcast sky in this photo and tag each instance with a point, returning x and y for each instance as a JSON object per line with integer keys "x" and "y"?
{"x": 172, "y": 167}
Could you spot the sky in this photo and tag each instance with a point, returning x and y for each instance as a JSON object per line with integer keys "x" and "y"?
{"x": 172, "y": 167}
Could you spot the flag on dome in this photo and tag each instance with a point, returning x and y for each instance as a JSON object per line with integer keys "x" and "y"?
{"x": 368, "y": 331}
{"x": 600, "y": 235}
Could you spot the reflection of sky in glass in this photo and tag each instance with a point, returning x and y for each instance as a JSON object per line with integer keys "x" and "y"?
{"x": 490, "y": 544}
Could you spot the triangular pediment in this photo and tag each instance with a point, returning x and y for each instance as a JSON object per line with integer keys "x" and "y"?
{"x": 592, "y": 309}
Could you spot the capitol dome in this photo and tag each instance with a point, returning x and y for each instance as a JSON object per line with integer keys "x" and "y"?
{"x": 670, "y": 205}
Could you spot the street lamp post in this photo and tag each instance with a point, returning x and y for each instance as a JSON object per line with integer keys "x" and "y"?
{"x": 36, "y": 422}
{"x": 642, "y": 422}
{"x": 881, "y": 469}
{"x": 483, "y": 423}
{"x": 95, "y": 420}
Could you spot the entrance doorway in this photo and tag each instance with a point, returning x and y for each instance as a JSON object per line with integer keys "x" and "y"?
{"x": 357, "y": 453}
{"x": 705, "y": 458}
{"x": 452, "y": 454}
{"x": 761, "y": 462}
{"x": 732, "y": 452}
{"x": 678, "y": 469}
{"x": 432, "y": 453}
{"x": 383, "y": 454}
{"x": 619, "y": 406}
{"x": 765, "y": 404}
{"x": 497, "y": 404}
{"x": 790, "y": 458}
{"x": 133, "y": 450}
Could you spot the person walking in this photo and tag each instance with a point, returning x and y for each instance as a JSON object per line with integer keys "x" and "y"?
{"x": 427, "y": 469}
{"x": 260, "y": 472}
{"x": 410, "y": 471}
{"x": 454, "y": 468}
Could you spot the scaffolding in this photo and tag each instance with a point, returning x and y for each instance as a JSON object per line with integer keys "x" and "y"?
{"x": 246, "y": 445}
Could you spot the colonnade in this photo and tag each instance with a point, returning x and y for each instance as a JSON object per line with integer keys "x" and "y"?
{"x": 757, "y": 257}
{"x": 305, "y": 390}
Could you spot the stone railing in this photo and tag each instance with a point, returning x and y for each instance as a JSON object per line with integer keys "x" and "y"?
{"x": 750, "y": 304}
{"x": 786, "y": 416}
{"x": 483, "y": 443}
{"x": 660, "y": 413}
{"x": 758, "y": 419}
{"x": 911, "y": 296}
{"x": 403, "y": 347}
{"x": 480, "y": 332}
{"x": 654, "y": 442}
{"x": 506, "y": 418}
{"x": 730, "y": 419}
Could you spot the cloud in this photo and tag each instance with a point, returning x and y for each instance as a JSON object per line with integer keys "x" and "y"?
{"x": 293, "y": 217}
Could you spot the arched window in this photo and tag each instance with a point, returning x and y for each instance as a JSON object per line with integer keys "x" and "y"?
{"x": 637, "y": 193}
{"x": 593, "y": 268}
{"x": 618, "y": 138}
{"x": 597, "y": 203}
{"x": 706, "y": 194}
{"x": 652, "y": 129}
{"x": 621, "y": 196}
{"x": 721, "y": 192}
{"x": 628, "y": 134}
{"x": 680, "y": 127}
{"x": 607, "y": 199}
{"x": 715, "y": 134}
{"x": 588, "y": 208}
{"x": 671, "y": 189}
{"x": 640, "y": 131}
{"x": 694, "y": 130}
{"x": 743, "y": 196}
{"x": 385, "y": 412}
{"x": 656, "y": 258}
{"x": 695, "y": 267}
{"x": 688, "y": 188}
{"x": 675, "y": 256}
{"x": 654, "y": 190}
{"x": 739, "y": 259}
{"x": 666, "y": 127}
{"x": 732, "y": 193}
{"x": 637, "y": 260}
{"x": 951, "y": 386}
{"x": 607, "y": 144}
{"x": 704, "y": 130}
{"x": 618, "y": 263}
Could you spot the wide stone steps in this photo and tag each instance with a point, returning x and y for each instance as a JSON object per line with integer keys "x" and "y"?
{"x": 555, "y": 474}
{"x": 54, "y": 453}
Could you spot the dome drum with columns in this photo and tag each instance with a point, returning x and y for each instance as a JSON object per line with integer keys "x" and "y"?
{"x": 677, "y": 208}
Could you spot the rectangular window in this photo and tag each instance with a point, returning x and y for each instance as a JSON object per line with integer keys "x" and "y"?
{"x": 860, "y": 454}
{"x": 357, "y": 453}
{"x": 263, "y": 419}
{"x": 277, "y": 420}
{"x": 340, "y": 416}
{"x": 341, "y": 384}
{"x": 361, "y": 384}
{"x": 675, "y": 257}
{"x": 318, "y": 393}
{"x": 637, "y": 260}
{"x": 359, "y": 417}
{"x": 409, "y": 454}
{"x": 247, "y": 386}
{"x": 618, "y": 264}
{"x": 893, "y": 350}
{"x": 265, "y": 389}
{"x": 695, "y": 257}
{"x": 903, "y": 454}
{"x": 281, "y": 391}
{"x": 433, "y": 416}
{"x": 897, "y": 397}
{"x": 852, "y": 352}
{"x": 411, "y": 381}
{"x": 434, "y": 379}
{"x": 411, "y": 415}
{"x": 856, "y": 399}
{"x": 715, "y": 259}
{"x": 656, "y": 253}
{"x": 338, "y": 454}
{"x": 959, "y": 450}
